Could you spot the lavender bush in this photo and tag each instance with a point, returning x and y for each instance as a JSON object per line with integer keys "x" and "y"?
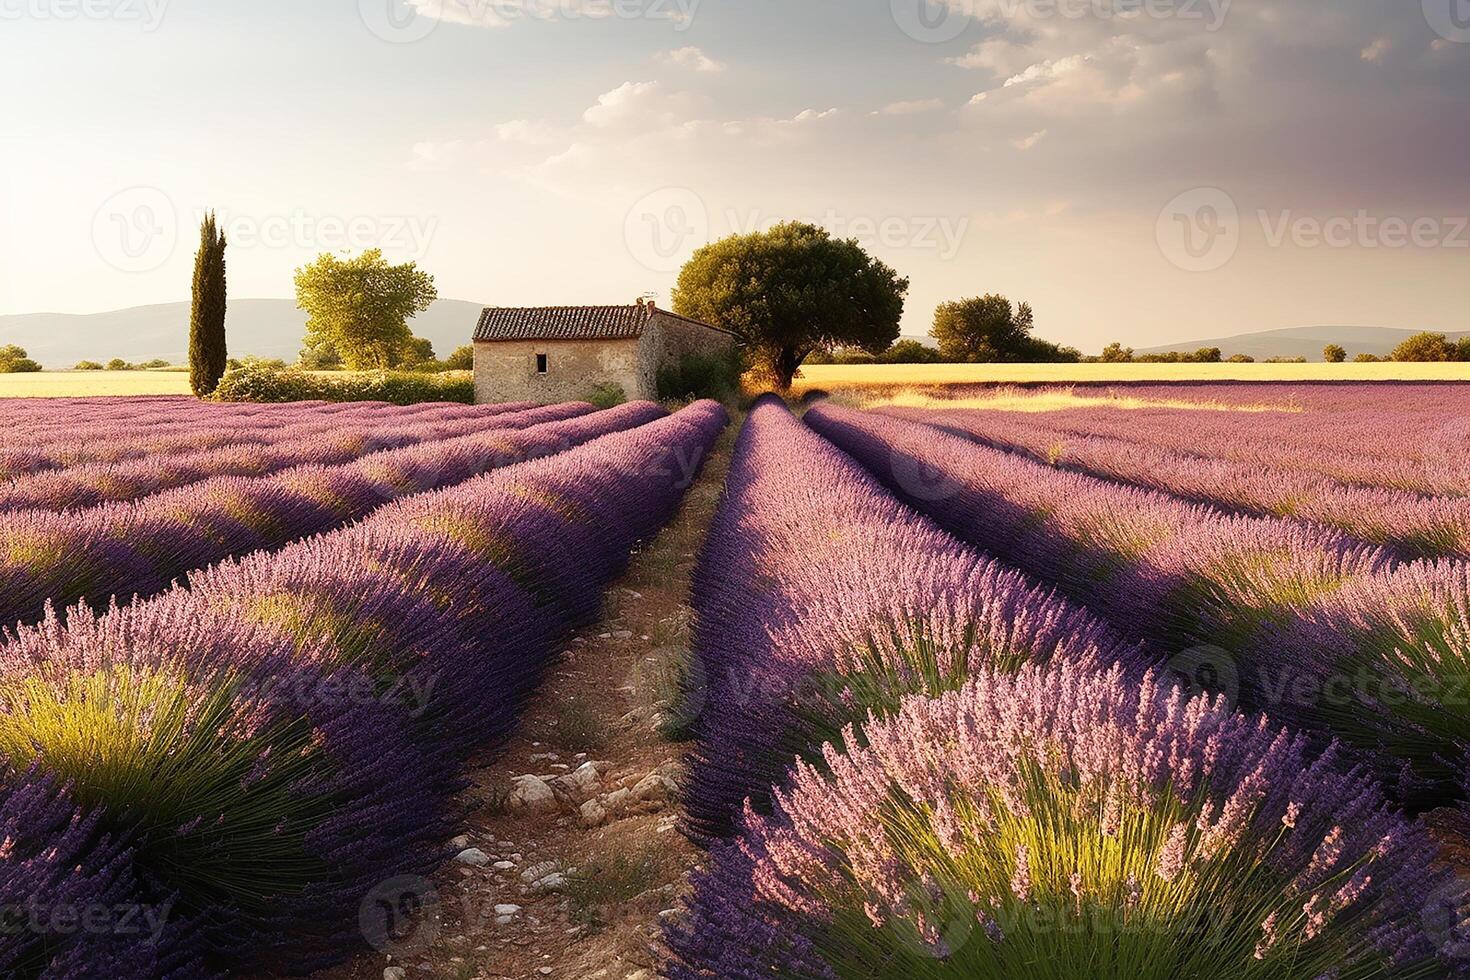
{"x": 1408, "y": 522}
{"x": 818, "y": 597}
{"x": 1178, "y": 573}
{"x": 1065, "y": 823}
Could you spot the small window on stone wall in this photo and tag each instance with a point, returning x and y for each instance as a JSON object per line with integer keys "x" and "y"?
{"x": 540, "y": 363}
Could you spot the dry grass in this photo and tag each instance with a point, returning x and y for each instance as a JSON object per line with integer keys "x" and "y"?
{"x": 84, "y": 384}
{"x": 833, "y": 377}
{"x": 1009, "y": 398}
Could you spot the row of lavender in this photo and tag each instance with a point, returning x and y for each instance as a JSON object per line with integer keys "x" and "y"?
{"x": 1412, "y": 444}
{"x": 248, "y": 443}
{"x": 1411, "y": 523}
{"x": 339, "y": 440}
{"x": 1334, "y": 635}
{"x": 140, "y": 547}
{"x": 221, "y": 777}
{"x": 913, "y": 761}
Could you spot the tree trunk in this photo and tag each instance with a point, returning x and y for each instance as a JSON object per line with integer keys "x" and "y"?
{"x": 788, "y": 362}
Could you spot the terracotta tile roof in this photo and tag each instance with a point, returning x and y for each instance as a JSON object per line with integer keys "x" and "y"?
{"x": 563, "y": 322}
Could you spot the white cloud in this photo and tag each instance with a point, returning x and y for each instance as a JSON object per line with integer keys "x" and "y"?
{"x": 640, "y": 106}
{"x": 911, "y": 108}
{"x": 1376, "y": 51}
{"x": 436, "y": 155}
{"x": 526, "y": 131}
{"x": 503, "y": 13}
{"x": 692, "y": 59}
{"x": 471, "y": 13}
{"x": 1027, "y": 142}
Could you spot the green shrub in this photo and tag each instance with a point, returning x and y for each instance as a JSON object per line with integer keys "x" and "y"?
{"x": 157, "y": 362}
{"x": 266, "y": 383}
{"x": 88, "y": 366}
{"x": 463, "y": 359}
{"x": 909, "y": 352}
{"x": 696, "y": 376}
{"x": 15, "y": 360}
{"x": 118, "y": 364}
{"x": 609, "y": 395}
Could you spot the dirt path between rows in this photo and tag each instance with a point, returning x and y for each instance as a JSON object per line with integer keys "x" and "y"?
{"x": 575, "y": 885}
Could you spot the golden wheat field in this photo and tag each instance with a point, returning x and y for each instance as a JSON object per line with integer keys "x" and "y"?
{"x": 80, "y": 384}
{"x": 838, "y": 376}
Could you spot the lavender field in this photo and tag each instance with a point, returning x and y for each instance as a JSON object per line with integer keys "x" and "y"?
{"x": 1110, "y": 692}
{"x": 1165, "y": 683}
{"x": 248, "y": 653}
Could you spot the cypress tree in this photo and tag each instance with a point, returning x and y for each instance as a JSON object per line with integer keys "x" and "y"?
{"x": 207, "y": 353}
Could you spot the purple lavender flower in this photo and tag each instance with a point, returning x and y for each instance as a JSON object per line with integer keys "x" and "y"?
{"x": 1201, "y": 880}
{"x": 818, "y": 595}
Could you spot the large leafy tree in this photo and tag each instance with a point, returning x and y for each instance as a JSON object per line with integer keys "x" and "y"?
{"x": 1425, "y": 347}
{"x": 208, "y": 356}
{"x": 1334, "y": 354}
{"x": 988, "y": 329}
{"x": 983, "y": 329}
{"x": 361, "y": 307}
{"x": 791, "y": 291}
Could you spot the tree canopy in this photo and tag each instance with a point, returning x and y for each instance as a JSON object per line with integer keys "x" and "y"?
{"x": 791, "y": 291}
{"x": 15, "y": 360}
{"x": 208, "y": 354}
{"x": 1334, "y": 354}
{"x": 361, "y": 307}
{"x": 1429, "y": 346}
{"x": 988, "y": 329}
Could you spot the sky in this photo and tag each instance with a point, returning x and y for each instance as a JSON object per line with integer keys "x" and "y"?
{"x": 1147, "y": 171}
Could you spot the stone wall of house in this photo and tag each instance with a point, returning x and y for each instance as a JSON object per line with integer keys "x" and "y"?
{"x": 505, "y": 370}
{"x": 670, "y": 338}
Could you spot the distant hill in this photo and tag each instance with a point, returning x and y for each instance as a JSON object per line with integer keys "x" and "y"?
{"x": 1301, "y": 342}
{"x": 264, "y": 327}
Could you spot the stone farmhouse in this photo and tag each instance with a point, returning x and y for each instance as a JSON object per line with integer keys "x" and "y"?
{"x": 560, "y": 353}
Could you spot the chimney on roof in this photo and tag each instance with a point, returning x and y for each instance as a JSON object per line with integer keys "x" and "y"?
{"x": 640, "y": 302}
